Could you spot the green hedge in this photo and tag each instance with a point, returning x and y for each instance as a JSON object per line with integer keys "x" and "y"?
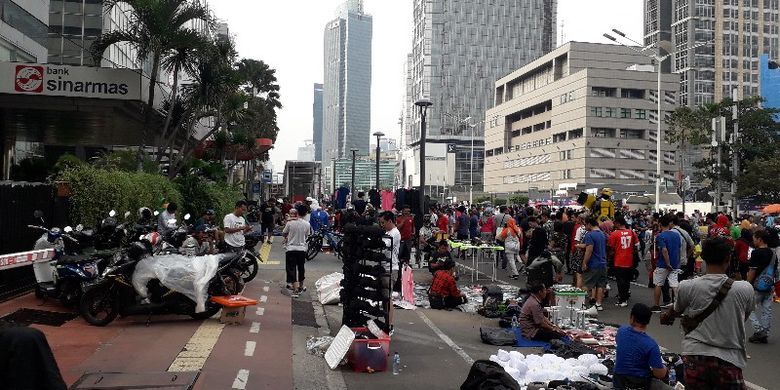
{"x": 94, "y": 192}
{"x": 200, "y": 194}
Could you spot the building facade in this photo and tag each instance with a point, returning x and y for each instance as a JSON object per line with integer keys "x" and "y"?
{"x": 346, "y": 95}
{"x": 582, "y": 116}
{"x": 339, "y": 173}
{"x": 731, "y": 35}
{"x": 317, "y": 122}
{"x": 458, "y": 51}
{"x": 23, "y": 26}
{"x": 658, "y": 28}
{"x": 307, "y": 151}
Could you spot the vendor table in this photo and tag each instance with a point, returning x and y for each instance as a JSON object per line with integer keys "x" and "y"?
{"x": 478, "y": 254}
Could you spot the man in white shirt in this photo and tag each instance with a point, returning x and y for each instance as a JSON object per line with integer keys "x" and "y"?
{"x": 387, "y": 222}
{"x": 235, "y": 227}
{"x": 296, "y": 232}
{"x": 168, "y": 214}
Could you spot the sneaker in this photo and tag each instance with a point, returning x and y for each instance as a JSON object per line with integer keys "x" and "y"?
{"x": 667, "y": 305}
{"x": 656, "y": 309}
{"x": 758, "y": 339}
{"x": 302, "y": 289}
{"x": 621, "y": 304}
{"x": 599, "y": 307}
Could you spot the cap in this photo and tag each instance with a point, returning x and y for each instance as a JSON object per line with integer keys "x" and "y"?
{"x": 210, "y": 212}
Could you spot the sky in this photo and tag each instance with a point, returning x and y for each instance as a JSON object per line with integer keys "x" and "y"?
{"x": 288, "y": 35}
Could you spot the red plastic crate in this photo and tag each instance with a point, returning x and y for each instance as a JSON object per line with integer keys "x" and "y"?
{"x": 368, "y": 353}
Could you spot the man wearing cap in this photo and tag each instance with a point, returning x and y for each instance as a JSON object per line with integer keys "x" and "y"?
{"x": 296, "y": 232}
{"x": 444, "y": 293}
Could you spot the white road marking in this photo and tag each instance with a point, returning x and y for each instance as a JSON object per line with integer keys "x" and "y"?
{"x": 255, "y": 328}
{"x": 197, "y": 350}
{"x": 241, "y": 378}
{"x": 260, "y": 311}
{"x": 445, "y": 338}
{"x": 249, "y": 348}
{"x": 264, "y": 298}
{"x": 753, "y": 386}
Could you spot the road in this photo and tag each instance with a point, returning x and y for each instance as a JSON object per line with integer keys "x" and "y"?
{"x": 268, "y": 351}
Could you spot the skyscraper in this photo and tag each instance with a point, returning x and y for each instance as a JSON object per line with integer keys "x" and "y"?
{"x": 458, "y": 52}
{"x": 346, "y": 95}
{"x": 731, "y": 36}
{"x": 317, "y": 122}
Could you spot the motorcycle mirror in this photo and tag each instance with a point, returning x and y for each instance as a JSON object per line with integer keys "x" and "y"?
{"x": 79, "y": 227}
{"x": 112, "y": 213}
{"x": 187, "y": 217}
{"x": 38, "y": 214}
{"x": 68, "y": 229}
{"x": 156, "y": 213}
{"x": 127, "y": 214}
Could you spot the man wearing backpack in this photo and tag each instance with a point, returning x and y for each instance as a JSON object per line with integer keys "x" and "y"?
{"x": 763, "y": 264}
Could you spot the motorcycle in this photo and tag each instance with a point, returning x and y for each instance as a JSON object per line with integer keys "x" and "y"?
{"x": 67, "y": 274}
{"x": 115, "y": 294}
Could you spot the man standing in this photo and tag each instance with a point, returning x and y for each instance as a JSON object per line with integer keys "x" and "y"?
{"x": 668, "y": 260}
{"x": 713, "y": 347}
{"x": 637, "y": 355}
{"x": 360, "y": 204}
{"x": 296, "y": 232}
{"x": 267, "y": 212}
{"x": 622, "y": 244}
{"x": 406, "y": 227}
{"x": 765, "y": 243}
{"x": 235, "y": 227}
{"x": 387, "y": 222}
{"x": 539, "y": 240}
{"x": 594, "y": 263}
{"x": 686, "y": 248}
{"x": 462, "y": 224}
{"x": 163, "y": 226}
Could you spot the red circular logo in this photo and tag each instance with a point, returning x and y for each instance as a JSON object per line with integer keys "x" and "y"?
{"x": 29, "y": 78}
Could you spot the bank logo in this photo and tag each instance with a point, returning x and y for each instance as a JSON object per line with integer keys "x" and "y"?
{"x": 29, "y": 78}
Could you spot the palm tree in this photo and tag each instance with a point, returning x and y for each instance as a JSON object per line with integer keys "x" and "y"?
{"x": 156, "y": 29}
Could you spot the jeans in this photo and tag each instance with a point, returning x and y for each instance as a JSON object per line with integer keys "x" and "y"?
{"x": 762, "y": 321}
{"x": 623, "y": 277}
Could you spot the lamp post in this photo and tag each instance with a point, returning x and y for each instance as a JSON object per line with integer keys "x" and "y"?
{"x": 423, "y": 105}
{"x": 471, "y": 163}
{"x": 378, "y": 136}
{"x": 352, "y": 190}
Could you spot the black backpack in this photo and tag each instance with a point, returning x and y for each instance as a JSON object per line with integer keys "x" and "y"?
{"x": 487, "y": 375}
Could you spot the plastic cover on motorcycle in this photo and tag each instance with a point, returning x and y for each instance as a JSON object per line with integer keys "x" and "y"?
{"x": 189, "y": 276}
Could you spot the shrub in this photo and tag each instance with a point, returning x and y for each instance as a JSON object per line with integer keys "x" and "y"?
{"x": 518, "y": 199}
{"x": 200, "y": 194}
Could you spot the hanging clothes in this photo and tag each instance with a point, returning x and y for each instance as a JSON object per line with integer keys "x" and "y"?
{"x": 341, "y": 197}
{"x": 388, "y": 201}
{"x": 407, "y": 284}
{"x": 400, "y": 197}
{"x": 374, "y": 198}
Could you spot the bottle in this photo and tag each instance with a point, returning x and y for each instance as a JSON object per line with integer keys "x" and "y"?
{"x": 672, "y": 376}
{"x": 514, "y": 322}
{"x": 396, "y": 364}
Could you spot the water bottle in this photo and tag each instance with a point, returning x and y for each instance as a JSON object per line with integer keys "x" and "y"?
{"x": 672, "y": 377}
{"x": 396, "y": 364}
{"x": 514, "y": 322}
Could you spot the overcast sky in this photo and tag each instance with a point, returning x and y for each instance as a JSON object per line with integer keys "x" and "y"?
{"x": 288, "y": 36}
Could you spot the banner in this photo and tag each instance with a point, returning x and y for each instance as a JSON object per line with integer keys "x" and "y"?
{"x": 70, "y": 81}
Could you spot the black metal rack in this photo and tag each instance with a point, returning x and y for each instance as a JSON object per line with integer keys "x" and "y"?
{"x": 367, "y": 292}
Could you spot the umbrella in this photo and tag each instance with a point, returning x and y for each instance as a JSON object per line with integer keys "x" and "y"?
{"x": 772, "y": 209}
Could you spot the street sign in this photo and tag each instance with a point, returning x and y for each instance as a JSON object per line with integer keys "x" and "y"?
{"x": 256, "y": 188}
{"x": 451, "y": 148}
{"x": 267, "y": 177}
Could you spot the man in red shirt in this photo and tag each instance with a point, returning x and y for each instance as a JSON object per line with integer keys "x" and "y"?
{"x": 622, "y": 243}
{"x": 405, "y": 224}
{"x": 443, "y": 224}
{"x": 444, "y": 293}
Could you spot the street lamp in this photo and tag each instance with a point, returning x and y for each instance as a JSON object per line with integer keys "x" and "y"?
{"x": 352, "y": 190}
{"x": 423, "y": 104}
{"x": 378, "y": 135}
{"x": 471, "y": 163}
{"x": 658, "y": 60}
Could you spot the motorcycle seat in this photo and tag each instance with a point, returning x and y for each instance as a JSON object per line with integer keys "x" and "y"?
{"x": 72, "y": 259}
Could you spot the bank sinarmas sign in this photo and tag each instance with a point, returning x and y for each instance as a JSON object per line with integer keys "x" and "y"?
{"x": 70, "y": 81}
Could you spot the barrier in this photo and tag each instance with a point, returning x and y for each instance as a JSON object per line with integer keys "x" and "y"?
{"x": 22, "y": 259}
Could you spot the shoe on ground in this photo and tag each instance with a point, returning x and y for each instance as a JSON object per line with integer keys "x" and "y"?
{"x": 758, "y": 339}
{"x": 667, "y": 305}
{"x": 621, "y": 304}
{"x": 289, "y": 287}
{"x": 656, "y": 309}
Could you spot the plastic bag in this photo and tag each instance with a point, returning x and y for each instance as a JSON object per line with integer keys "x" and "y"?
{"x": 318, "y": 345}
{"x": 497, "y": 336}
{"x": 189, "y": 276}
{"x": 328, "y": 288}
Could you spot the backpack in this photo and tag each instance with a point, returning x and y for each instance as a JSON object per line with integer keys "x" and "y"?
{"x": 512, "y": 243}
{"x": 766, "y": 281}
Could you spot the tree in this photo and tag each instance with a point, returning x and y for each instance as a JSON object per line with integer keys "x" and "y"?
{"x": 758, "y": 136}
{"x": 157, "y": 28}
{"x": 759, "y": 180}
{"x": 518, "y": 199}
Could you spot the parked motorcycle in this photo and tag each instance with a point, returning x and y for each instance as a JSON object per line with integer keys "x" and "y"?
{"x": 115, "y": 295}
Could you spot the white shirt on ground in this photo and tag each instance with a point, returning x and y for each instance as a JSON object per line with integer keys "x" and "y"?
{"x": 236, "y": 239}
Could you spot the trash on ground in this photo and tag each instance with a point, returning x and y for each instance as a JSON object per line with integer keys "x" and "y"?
{"x": 317, "y": 346}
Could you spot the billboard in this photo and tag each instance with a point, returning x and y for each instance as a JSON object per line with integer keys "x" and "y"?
{"x": 70, "y": 81}
{"x": 770, "y": 82}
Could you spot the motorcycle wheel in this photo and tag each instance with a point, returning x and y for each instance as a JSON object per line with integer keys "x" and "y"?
{"x": 95, "y": 302}
{"x": 39, "y": 293}
{"x": 249, "y": 268}
{"x": 229, "y": 285}
{"x": 211, "y": 310}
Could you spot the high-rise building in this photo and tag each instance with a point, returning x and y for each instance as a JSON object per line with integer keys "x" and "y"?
{"x": 658, "y": 28}
{"x": 583, "y": 116}
{"x": 346, "y": 95}
{"x": 717, "y": 45}
{"x": 458, "y": 51}
{"x": 317, "y": 122}
{"x": 306, "y": 152}
{"x": 23, "y": 26}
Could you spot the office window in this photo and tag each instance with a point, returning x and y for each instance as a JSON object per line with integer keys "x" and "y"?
{"x": 610, "y": 112}
{"x": 632, "y": 134}
{"x": 560, "y": 137}
{"x": 640, "y": 114}
{"x": 604, "y": 92}
{"x": 630, "y": 93}
{"x": 566, "y": 174}
{"x": 601, "y": 132}
{"x": 625, "y": 113}
{"x": 596, "y": 111}
{"x": 574, "y": 134}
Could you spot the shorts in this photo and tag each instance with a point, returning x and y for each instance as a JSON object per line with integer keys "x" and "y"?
{"x": 661, "y": 274}
{"x": 266, "y": 227}
{"x": 707, "y": 372}
{"x": 595, "y": 278}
